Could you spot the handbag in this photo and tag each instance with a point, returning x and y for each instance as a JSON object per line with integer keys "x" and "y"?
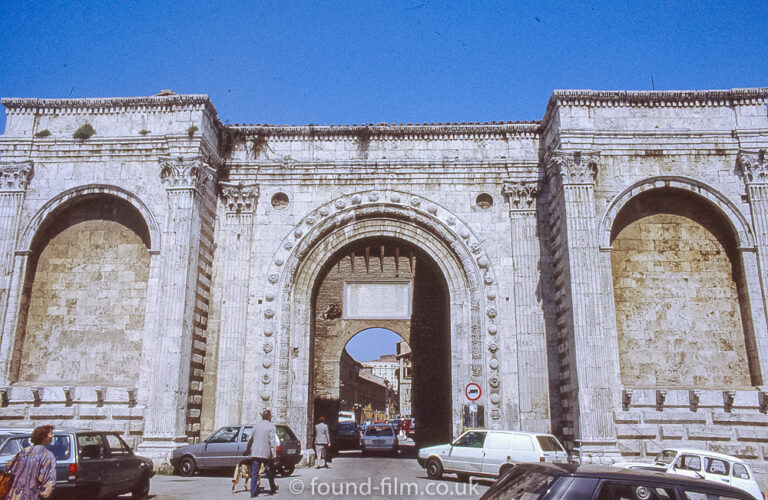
{"x": 6, "y": 478}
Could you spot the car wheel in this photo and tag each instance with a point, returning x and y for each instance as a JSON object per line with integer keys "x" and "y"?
{"x": 462, "y": 477}
{"x": 287, "y": 470}
{"x": 434, "y": 468}
{"x": 187, "y": 466}
{"x": 141, "y": 491}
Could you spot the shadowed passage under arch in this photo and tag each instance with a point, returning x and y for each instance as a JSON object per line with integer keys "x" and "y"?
{"x": 384, "y": 283}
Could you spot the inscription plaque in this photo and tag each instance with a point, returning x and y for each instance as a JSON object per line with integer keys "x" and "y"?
{"x": 377, "y": 300}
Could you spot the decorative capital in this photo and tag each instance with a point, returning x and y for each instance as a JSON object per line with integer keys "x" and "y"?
{"x": 521, "y": 194}
{"x": 239, "y": 197}
{"x": 185, "y": 173}
{"x": 578, "y": 167}
{"x": 14, "y": 176}
{"x": 754, "y": 166}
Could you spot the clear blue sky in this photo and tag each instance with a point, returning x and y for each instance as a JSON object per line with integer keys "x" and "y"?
{"x": 369, "y": 344}
{"x": 291, "y": 62}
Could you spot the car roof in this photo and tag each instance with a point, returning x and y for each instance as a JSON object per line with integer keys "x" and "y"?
{"x": 607, "y": 472}
{"x": 508, "y": 431}
{"x": 705, "y": 452}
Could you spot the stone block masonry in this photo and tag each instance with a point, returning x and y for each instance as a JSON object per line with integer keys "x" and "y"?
{"x": 600, "y": 273}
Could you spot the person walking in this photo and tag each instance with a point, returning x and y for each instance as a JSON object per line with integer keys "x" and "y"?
{"x": 33, "y": 468}
{"x": 261, "y": 448}
{"x": 322, "y": 442}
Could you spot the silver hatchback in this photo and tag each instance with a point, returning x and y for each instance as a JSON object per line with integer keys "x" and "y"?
{"x": 379, "y": 437}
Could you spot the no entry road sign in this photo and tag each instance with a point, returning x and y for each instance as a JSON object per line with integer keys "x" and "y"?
{"x": 473, "y": 391}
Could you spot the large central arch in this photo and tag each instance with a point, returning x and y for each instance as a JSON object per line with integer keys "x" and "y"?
{"x": 300, "y": 261}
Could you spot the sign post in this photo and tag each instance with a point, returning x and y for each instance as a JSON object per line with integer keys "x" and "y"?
{"x": 473, "y": 413}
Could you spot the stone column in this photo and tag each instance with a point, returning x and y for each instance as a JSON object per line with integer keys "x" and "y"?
{"x": 14, "y": 177}
{"x": 168, "y": 385}
{"x": 530, "y": 338}
{"x": 754, "y": 167}
{"x": 595, "y": 360}
{"x": 240, "y": 205}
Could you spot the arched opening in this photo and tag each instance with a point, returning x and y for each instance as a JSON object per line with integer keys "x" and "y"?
{"x": 82, "y": 314}
{"x": 679, "y": 293}
{"x": 384, "y": 283}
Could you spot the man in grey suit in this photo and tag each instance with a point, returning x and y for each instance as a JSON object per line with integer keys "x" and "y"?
{"x": 261, "y": 448}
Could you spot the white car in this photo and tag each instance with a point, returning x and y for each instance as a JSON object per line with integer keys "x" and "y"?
{"x": 489, "y": 453}
{"x": 702, "y": 464}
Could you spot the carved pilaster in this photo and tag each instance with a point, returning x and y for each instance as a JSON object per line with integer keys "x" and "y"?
{"x": 594, "y": 387}
{"x": 754, "y": 169}
{"x": 239, "y": 198}
{"x": 754, "y": 166}
{"x": 579, "y": 167}
{"x": 521, "y": 195}
{"x": 14, "y": 176}
{"x": 185, "y": 173}
{"x": 531, "y": 342}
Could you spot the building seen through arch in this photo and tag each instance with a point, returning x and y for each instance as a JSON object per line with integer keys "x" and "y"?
{"x": 600, "y": 274}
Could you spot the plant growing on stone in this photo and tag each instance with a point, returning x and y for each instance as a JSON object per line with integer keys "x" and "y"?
{"x": 43, "y": 133}
{"x": 84, "y": 132}
{"x": 144, "y": 131}
{"x": 191, "y": 131}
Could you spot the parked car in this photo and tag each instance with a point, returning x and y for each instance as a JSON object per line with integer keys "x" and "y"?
{"x": 488, "y": 453}
{"x": 90, "y": 464}
{"x": 346, "y": 436}
{"x": 379, "y": 437}
{"x": 579, "y": 482}
{"x": 225, "y": 447}
{"x": 702, "y": 464}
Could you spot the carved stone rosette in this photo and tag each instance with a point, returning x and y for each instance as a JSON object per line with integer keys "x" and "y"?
{"x": 239, "y": 198}
{"x": 14, "y": 176}
{"x": 521, "y": 194}
{"x": 185, "y": 173}
{"x": 579, "y": 167}
{"x": 754, "y": 166}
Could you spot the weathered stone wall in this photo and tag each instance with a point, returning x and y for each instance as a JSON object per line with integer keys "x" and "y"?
{"x": 677, "y": 304}
{"x": 86, "y": 314}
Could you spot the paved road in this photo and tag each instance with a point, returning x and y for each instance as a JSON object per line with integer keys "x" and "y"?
{"x": 350, "y": 476}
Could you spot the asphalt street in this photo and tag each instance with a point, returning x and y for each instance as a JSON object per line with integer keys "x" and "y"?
{"x": 350, "y": 476}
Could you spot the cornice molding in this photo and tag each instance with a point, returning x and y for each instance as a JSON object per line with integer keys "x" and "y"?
{"x": 655, "y": 98}
{"x": 382, "y": 131}
{"x": 573, "y": 167}
{"x": 189, "y": 173}
{"x": 98, "y": 103}
{"x": 754, "y": 166}
{"x": 14, "y": 176}
{"x": 521, "y": 194}
{"x": 239, "y": 197}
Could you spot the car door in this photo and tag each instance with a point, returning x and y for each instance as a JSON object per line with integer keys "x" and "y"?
{"x": 221, "y": 448}
{"x": 688, "y": 465}
{"x": 95, "y": 467}
{"x": 497, "y": 453}
{"x": 125, "y": 463}
{"x": 717, "y": 469}
{"x": 466, "y": 454}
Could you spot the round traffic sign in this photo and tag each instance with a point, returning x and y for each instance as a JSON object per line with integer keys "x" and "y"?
{"x": 473, "y": 391}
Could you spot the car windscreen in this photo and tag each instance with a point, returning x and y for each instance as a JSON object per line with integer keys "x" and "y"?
{"x": 60, "y": 446}
{"x": 521, "y": 485}
{"x": 665, "y": 457}
{"x": 549, "y": 443}
{"x": 379, "y": 430}
{"x": 285, "y": 433}
{"x": 347, "y": 426}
